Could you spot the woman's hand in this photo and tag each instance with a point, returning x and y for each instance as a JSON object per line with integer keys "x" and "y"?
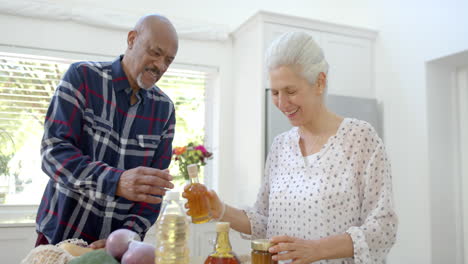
{"x": 299, "y": 250}
{"x": 216, "y": 206}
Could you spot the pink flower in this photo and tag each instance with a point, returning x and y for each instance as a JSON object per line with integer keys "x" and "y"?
{"x": 201, "y": 148}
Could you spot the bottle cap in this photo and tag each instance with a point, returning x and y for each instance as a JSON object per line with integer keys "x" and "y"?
{"x": 172, "y": 195}
{"x": 222, "y": 227}
{"x": 192, "y": 170}
{"x": 261, "y": 244}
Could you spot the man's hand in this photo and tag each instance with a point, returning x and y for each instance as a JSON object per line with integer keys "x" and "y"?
{"x": 98, "y": 244}
{"x": 142, "y": 183}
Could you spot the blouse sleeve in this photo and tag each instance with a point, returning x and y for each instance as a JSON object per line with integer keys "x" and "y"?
{"x": 258, "y": 214}
{"x": 374, "y": 238}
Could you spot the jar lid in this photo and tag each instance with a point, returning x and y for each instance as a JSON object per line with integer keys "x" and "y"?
{"x": 261, "y": 244}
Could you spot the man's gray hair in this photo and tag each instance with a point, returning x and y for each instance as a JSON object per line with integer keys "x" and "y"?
{"x": 297, "y": 49}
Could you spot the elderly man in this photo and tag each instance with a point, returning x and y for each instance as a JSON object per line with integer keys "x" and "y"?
{"x": 108, "y": 141}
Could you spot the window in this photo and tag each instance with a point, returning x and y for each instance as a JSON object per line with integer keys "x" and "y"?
{"x": 26, "y": 85}
{"x": 187, "y": 89}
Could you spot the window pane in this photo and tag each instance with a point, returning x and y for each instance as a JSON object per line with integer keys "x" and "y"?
{"x": 187, "y": 91}
{"x": 26, "y": 85}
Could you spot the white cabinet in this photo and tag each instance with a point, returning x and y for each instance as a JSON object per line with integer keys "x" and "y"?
{"x": 350, "y": 59}
{"x": 272, "y": 31}
{"x": 349, "y": 52}
{"x": 351, "y": 65}
{"x": 16, "y": 240}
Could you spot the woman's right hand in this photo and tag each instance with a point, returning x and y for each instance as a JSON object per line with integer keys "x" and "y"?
{"x": 216, "y": 206}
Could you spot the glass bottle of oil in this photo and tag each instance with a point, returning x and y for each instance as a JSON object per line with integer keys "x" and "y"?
{"x": 223, "y": 251}
{"x": 172, "y": 232}
{"x": 197, "y": 194}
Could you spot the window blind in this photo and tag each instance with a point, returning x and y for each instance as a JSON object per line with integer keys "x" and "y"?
{"x": 27, "y": 84}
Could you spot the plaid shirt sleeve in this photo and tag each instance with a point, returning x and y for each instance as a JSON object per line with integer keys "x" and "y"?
{"x": 63, "y": 161}
{"x": 143, "y": 215}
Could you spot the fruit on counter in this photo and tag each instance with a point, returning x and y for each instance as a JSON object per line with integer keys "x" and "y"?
{"x": 139, "y": 253}
{"x": 96, "y": 256}
{"x": 75, "y": 250}
{"x": 118, "y": 241}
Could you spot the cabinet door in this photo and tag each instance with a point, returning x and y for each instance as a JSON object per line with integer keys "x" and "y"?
{"x": 351, "y": 63}
{"x": 16, "y": 243}
{"x": 272, "y": 31}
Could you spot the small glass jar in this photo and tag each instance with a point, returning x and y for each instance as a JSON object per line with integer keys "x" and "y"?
{"x": 260, "y": 254}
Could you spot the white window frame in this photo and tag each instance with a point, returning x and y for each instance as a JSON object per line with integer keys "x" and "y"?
{"x": 24, "y": 215}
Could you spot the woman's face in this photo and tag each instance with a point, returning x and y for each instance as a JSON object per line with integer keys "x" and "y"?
{"x": 294, "y": 96}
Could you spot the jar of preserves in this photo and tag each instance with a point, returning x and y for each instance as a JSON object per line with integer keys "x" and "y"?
{"x": 260, "y": 254}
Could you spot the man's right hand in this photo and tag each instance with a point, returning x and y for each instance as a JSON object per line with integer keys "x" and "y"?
{"x": 142, "y": 183}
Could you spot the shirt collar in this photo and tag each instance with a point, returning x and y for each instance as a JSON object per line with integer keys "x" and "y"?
{"x": 120, "y": 80}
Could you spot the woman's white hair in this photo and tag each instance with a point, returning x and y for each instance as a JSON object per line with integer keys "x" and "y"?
{"x": 297, "y": 49}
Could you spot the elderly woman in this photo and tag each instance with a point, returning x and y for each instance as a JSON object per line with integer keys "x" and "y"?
{"x": 327, "y": 189}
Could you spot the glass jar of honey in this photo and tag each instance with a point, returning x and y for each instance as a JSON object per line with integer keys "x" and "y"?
{"x": 260, "y": 254}
{"x": 197, "y": 194}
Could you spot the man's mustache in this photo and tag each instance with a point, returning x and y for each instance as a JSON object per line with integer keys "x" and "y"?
{"x": 154, "y": 70}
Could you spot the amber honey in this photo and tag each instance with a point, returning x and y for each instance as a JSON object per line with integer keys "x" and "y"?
{"x": 217, "y": 260}
{"x": 260, "y": 253}
{"x": 197, "y": 195}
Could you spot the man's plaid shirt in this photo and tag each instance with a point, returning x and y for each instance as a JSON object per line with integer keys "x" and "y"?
{"x": 92, "y": 134}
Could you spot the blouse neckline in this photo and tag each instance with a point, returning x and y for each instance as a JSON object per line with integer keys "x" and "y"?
{"x": 330, "y": 141}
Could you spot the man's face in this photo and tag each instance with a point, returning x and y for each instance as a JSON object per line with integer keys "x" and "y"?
{"x": 151, "y": 54}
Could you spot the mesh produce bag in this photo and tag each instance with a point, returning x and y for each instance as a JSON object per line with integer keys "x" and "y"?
{"x": 50, "y": 254}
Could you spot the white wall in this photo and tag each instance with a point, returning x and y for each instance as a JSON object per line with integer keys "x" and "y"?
{"x": 410, "y": 33}
{"x": 446, "y": 100}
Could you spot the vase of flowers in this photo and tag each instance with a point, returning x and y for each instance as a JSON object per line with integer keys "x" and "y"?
{"x": 192, "y": 153}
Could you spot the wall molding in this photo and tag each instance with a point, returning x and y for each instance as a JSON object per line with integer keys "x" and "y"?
{"x": 107, "y": 18}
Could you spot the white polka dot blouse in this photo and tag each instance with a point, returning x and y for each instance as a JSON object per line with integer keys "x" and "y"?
{"x": 346, "y": 187}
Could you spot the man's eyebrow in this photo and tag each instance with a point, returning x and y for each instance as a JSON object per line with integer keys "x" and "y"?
{"x": 158, "y": 49}
{"x": 162, "y": 52}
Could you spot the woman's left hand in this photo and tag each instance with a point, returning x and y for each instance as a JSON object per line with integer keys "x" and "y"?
{"x": 299, "y": 250}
